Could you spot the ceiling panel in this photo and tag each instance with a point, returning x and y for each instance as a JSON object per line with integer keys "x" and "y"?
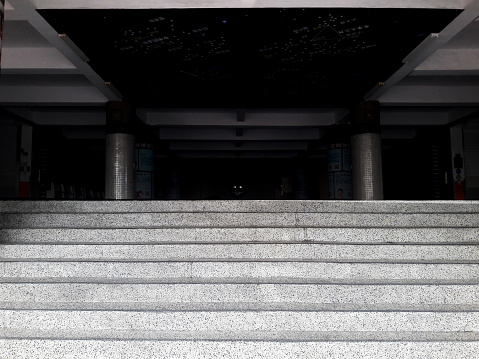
{"x": 252, "y": 58}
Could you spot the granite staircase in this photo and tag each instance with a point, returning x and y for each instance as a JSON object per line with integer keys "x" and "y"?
{"x": 239, "y": 279}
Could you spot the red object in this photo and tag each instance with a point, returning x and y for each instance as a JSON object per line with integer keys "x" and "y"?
{"x": 459, "y": 190}
{"x": 24, "y": 190}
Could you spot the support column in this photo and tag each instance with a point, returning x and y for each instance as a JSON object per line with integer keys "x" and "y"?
{"x": 2, "y": 11}
{"x": 366, "y": 152}
{"x": 120, "y": 152}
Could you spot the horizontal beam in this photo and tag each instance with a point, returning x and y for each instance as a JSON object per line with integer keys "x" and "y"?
{"x": 155, "y": 4}
{"x": 26, "y": 10}
{"x": 238, "y": 146}
{"x": 230, "y": 134}
{"x": 50, "y": 95}
{"x": 414, "y": 117}
{"x": 431, "y": 44}
{"x": 200, "y": 117}
{"x": 34, "y": 58}
{"x": 431, "y": 95}
{"x": 451, "y": 60}
{"x": 237, "y": 154}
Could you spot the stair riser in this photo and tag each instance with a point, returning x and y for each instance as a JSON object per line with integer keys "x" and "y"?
{"x": 138, "y": 235}
{"x": 240, "y": 271}
{"x": 240, "y": 206}
{"x": 304, "y": 251}
{"x": 92, "y": 349}
{"x": 240, "y": 321}
{"x": 153, "y": 235}
{"x": 241, "y": 293}
{"x": 239, "y": 279}
{"x": 193, "y": 220}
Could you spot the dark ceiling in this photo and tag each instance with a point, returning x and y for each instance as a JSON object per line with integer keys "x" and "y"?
{"x": 247, "y": 58}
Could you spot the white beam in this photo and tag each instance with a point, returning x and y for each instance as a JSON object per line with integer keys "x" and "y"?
{"x": 237, "y": 154}
{"x": 412, "y": 117}
{"x": 228, "y": 118}
{"x": 426, "y": 49}
{"x": 25, "y": 9}
{"x": 50, "y": 95}
{"x": 290, "y": 118}
{"x": 197, "y": 117}
{"x": 233, "y": 146}
{"x": 451, "y": 60}
{"x": 431, "y": 95}
{"x": 35, "y": 58}
{"x": 249, "y": 134}
{"x": 165, "y": 4}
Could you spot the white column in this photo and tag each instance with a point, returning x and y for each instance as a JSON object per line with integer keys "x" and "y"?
{"x": 366, "y": 152}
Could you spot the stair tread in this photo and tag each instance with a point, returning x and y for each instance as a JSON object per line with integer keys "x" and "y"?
{"x": 235, "y": 306}
{"x": 230, "y": 271}
{"x": 235, "y": 336}
{"x": 237, "y": 293}
{"x": 241, "y": 321}
{"x": 220, "y": 235}
{"x": 248, "y": 251}
{"x": 295, "y": 206}
{"x": 233, "y": 220}
{"x": 274, "y": 279}
{"x": 209, "y": 349}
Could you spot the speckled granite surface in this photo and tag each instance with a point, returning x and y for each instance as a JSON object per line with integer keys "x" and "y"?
{"x": 235, "y": 271}
{"x": 392, "y": 253}
{"x": 230, "y": 321}
{"x": 241, "y": 206}
{"x": 225, "y": 235}
{"x": 228, "y": 220}
{"x": 400, "y": 295}
{"x": 98, "y": 349}
{"x": 239, "y": 279}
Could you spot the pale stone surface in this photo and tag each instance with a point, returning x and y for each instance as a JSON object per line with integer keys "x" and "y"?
{"x": 237, "y": 321}
{"x": 142, "y": 235}
{"x": 288, "y": 272}
{"x": 240, "y": 293}
{"x": 239, "y": 279}
{"x": 228, "y": 220}
{"x": 306, "y": 251}
{"x": 220, "y": 235}
{"x": 240, "y": 206}
{"x": 98, "y": 349}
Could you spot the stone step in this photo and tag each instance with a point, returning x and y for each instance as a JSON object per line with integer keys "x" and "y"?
{"x": 220, "y": 235}
{"x": 233, "y": 220}
{"x": 286, "y": 272}
{"x": 227, "y": 296}
{"x": 89, "y": 322}
{"x": 236, "y": 336}
{"x": 208, "y": 349}
{"x": 291, "y": 206}
{"x": 396, "y": 253}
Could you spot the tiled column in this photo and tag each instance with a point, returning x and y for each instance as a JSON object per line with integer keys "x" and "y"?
{"x": 366, "y": 152}
{"x": 120, "y": 152}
